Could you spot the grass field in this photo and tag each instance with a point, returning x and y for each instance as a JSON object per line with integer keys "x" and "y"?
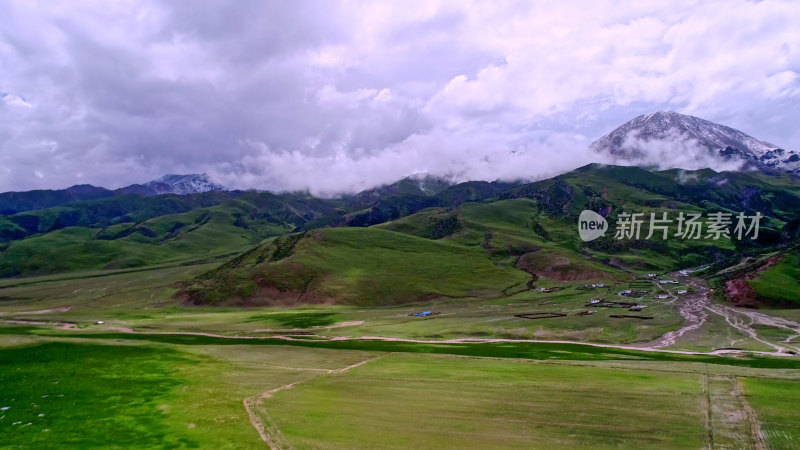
{"x": 775, "y": 402}
{"x": 435, "y": 402}
{"x": 144, "y": 300}
{"x": 405, "y": 401}
{"x": 108, "y": 394}
{"x": 104, "y": 392}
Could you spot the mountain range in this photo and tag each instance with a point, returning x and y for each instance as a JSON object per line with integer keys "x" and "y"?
{"x": 652, "y": 140}
{"x": 423, "y": 235}
{"x": 15, "y": 202}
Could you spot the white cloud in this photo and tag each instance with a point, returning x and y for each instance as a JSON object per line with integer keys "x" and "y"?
{"x": 675, "y": 150}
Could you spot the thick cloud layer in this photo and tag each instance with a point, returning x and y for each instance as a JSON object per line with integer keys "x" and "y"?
{"x": 340, "y": 96}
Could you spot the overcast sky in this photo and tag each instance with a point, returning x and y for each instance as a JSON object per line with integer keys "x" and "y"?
{"x": 340, "y": 96}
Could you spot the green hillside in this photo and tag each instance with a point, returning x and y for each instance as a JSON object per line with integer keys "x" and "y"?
{"x": 135, "y": 231}
{"x": 779, "y": 283}
{"x": 365, "y": 266}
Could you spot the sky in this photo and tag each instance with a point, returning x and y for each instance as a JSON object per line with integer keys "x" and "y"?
{"x": 338, "y": 96}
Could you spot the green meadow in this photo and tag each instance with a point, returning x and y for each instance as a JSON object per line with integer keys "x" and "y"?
{"x": 102, "y": 391}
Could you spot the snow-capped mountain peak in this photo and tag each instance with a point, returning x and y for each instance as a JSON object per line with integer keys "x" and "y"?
{"x": 184, "y": 184}
{"x": 669, "y": 138}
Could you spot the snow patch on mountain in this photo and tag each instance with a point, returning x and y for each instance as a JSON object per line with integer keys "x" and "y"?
{"x": 184, "y": 184}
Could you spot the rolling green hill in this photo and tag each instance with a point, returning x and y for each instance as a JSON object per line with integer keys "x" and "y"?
{"x": 366, "y": 266}
{"x": 134, "y": 231}
{"x": 780, "y": 282}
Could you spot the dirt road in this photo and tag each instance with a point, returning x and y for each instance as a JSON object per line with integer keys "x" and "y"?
{"x": 252, "y": 403}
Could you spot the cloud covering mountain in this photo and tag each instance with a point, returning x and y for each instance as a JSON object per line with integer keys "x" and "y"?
{"x": 342, "y": 96}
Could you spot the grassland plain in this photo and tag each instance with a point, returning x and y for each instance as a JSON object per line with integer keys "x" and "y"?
{"x": 144, "y": 301}
{"x": 422, "y": 401}
{"x": 107, "y": 394}
{"x": 132, "y": 391}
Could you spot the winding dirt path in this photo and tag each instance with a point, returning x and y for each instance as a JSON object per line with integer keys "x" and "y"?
{"x": 252, "y": 403}
{"x": 41, "y": 311}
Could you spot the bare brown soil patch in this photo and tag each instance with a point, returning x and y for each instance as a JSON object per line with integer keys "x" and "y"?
{"x": 539, "y": 315}
{"x": 740, "y": 293}
{"x": 554, "y": 267}
{"x": 628, "y": 316}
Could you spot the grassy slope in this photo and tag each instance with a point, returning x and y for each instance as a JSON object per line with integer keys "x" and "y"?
{"x": 363, "y": 266}
{"x": 543, "y": 215}
{"x": 533, "y": 228}
{"x": 132, "y": 231}
{"x": 781, "y": 282}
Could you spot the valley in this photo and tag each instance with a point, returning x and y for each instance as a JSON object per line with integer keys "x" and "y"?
{"x": 274, "y": 375}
